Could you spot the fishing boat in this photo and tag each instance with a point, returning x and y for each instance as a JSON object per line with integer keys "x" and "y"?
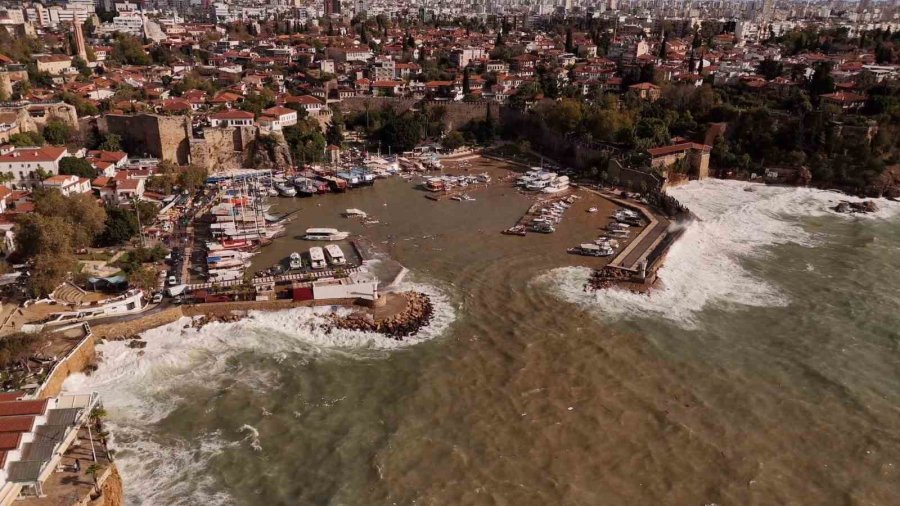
{"x": 351, "y": 180}
{"x": 365, "y": 177}
{"x": 325, "y": 234}
{"x": 335, "y": 184}
{"x": 295, "y": 262}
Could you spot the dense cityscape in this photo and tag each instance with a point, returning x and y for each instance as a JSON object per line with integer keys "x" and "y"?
{"x": 154, "y": 156}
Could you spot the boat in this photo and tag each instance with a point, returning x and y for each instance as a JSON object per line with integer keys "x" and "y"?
{"x": 364, "y": 177}
{"x": 335, "y": 255}
{"x": 516, "y": 230}
{"x": 295, "y": 262}
{"x": 435, "y": 184}
{"x": 537, "y": 185}
{"x": 351, "y": 180}
{"x": 483, "y": 178}
{"x": 355, "y": 213}
{"x": 592, "y": 210}
{"x": 456, "y": 198}
{"x": 285, "y": 191}
{"x": 335, "y": 184}
{"x": 559, "y": 184}
{"x": 467, "y": 197}
{"x": 591, "y": 250}
{"x": 618, "y": 233}
{"x": 317, "y": 258}
{"x": 544, "y": 228}
{"x": 325, "y": 234}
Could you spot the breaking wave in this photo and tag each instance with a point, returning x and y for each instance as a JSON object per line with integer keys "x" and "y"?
{"x": 142, "y": 387}
{"x": 705, "y": 266}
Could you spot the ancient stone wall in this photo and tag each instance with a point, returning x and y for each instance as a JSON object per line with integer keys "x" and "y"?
{"x": 164, "y": 137}
{"x": 222, "y": 148}
{"x": 75, "y": 362}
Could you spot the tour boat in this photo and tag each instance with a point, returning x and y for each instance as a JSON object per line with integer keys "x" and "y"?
{"x": 325, "y": 234}
{"x": 295, "y": 262}
{"x": 335, "y": 255}
{"x": 317, "y": 258}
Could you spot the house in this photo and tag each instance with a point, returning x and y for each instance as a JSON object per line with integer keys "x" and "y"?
{"x": 845, "y": 100}
{"x": 54, "y": 64}
{"x": 231, "y": 118}
{"x": 309, "y": 103}
{"x": 696, "y": 154}
{"x": 68, "y": 184}
{"x": 107, "y": 162}
{"x": 282, "y": 116}
{"x": 646, "y": 91}
{"x": 26, "y": 164}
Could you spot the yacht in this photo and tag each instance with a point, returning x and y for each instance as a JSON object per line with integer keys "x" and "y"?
{"x": 325, "y": 234}
{"x": 335, "y": 255}
{"x": 285, "y": 190}
{"x": 317, "y": 258}
{"x": 557, "y": 185}
{"x": 295, "y": 262}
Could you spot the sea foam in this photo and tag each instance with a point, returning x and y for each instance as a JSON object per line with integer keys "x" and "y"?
{"x": 705, "y": 266}
{"x": 140, "y": 387}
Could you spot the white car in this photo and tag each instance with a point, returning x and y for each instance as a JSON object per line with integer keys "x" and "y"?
{"x": 172, "y": 281}
{"x": 157, "y": 298}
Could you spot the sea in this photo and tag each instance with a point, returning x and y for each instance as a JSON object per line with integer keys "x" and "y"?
{"x": 764, "y": 370}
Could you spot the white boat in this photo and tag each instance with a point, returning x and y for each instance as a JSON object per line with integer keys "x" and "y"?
{"x": 317, "y": 258}
{"x": 483, "y": 178}
{"x": 225, "y": 275}
{"x": 335, "y": 255}
{"x": 592, "y": 210}
{"x": 285, "y": 190}
{"x": 468, "y": 197}
{"x": 557, "y": 185}
{"x": 618, "y": 233}
{"x": 355, "y": 213}
{"x": 537, "y": 185}
{"x": 295, "y": 262}
{"x": 325, "y": 234}
{"x": 592, "y": 250}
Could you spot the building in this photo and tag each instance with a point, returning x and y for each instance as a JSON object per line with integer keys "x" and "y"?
{"x": 231, "y": 118}
{"x": 462, "y": 57}
{"x": 54, "y": 64}
{"x": 697, "y": 156}
{"x": 309, "y": 103}
{"x": 278, "y": 117}
{"x": 27, "y": 165}
{"x": 646, "y": 91}
{"x": 68, "y": 184}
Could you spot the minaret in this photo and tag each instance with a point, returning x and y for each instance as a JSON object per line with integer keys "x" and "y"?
{"x": 79, "y": 41}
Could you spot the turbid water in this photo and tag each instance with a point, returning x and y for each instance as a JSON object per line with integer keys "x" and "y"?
{"x": 765, "y": 371}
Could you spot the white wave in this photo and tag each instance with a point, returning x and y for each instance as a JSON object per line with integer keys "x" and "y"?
{"x": 252, "y": 436}
{"x": 141, "y": 387}
{"x": 704, "y": 266}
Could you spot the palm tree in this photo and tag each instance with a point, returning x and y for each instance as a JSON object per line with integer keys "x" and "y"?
{"x": 93, "y": 470}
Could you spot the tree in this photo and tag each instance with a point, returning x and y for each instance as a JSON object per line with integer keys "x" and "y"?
{"x": 453, "y": 140}
{"x": 57, "y": 132}
{"x": 111, "y": 142}
{"x": 192, "y": 177}
{"x": 770, "y": 69}
{"x": 25, "y": 139}
{"x": 144, "y": 278}
{"x": 42, "y": 234}
{"x": 821, "y": 81}
{"x": 49, "y": 271}
{"x": 128, "y": 49}
{"x": 120, "y": 226}
{"x": 80, "y": 167}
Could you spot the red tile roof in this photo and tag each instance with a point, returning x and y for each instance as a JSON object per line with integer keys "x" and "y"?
{"x": 16, "y": 408}
{"x": 676, "y": 148}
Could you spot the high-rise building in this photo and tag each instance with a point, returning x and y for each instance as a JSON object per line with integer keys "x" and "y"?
{"x": 768, "y": 11}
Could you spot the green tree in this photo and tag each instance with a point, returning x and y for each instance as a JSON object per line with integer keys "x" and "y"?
{"x": 49, "y": 271}
{"x": 111, "y": 142}
{"x": 128, "y": 49}
{"x": 57, "y": 132}
{"x": 42, "y": 234}
{"x": 453, "y": 140}
{"x": 192, "y": 177}
{"x": 77, "y": 167}
{"x": 25, "y": 139}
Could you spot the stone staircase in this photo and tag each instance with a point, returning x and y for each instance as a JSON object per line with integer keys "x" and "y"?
{"x": 67, "y": 293}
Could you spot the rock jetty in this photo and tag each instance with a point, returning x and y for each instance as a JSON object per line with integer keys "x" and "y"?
{"x": 417, "y": 314}
{"x": 866, "y": 206}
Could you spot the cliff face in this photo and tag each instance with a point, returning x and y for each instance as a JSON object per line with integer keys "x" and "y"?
{"x": 111, "y": 491}
{"x": 269, "y": 152}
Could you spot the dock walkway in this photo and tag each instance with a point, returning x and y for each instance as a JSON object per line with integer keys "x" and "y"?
{"x": 639, "y": 249}
{"x": 299, "y": 276}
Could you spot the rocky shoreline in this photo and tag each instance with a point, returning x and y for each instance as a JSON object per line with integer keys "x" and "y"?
{"x": 417, "y": 314}
{"x": 864, "y": 207}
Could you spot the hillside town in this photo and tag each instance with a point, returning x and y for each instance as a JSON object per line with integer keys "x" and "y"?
{"x": 141, "y": 145}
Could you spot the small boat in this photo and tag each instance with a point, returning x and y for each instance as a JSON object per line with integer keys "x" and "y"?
{"x": 544, "y": 228}
{"x": 285, "y": 190}
{"x": 468, "y": 197}
{"x": 516, "y": 230}
{"x": 295, "y": 262}
{"x": 355, "y": 213}
{"x": 592, "y": 210}
{"x": 456, "y": 198}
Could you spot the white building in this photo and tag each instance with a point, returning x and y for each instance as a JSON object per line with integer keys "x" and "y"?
{"x": 68, "y": 184}
{"x": 25, "y": 163}
{"x": 231, "y": 117}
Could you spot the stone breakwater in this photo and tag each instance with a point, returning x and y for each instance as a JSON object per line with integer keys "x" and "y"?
{"x": 417, "y": 314}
